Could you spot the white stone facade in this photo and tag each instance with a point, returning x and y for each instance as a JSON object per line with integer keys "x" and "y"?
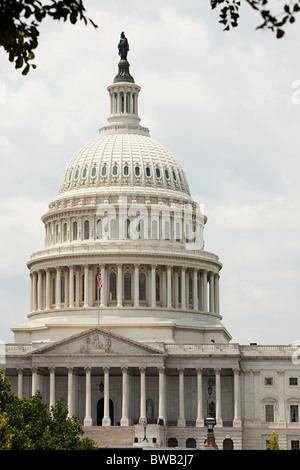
{"x": 148, "y": 355}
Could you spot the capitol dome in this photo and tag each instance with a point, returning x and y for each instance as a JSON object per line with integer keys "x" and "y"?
{"x": 123, "y": 159}
{"x": 124, "y": 211}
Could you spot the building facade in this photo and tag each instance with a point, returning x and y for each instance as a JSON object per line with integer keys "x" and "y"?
{"x": 143, "y": 359}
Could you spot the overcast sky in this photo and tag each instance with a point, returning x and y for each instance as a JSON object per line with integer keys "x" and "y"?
{"x": 222, "y": 102}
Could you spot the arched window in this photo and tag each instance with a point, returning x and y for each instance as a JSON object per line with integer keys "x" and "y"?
{"x": 99, "y": 229}
{"x": 137, "y": 171}
{"x": 115, "y": 170}
{"x": 75, "y": 230}
{"x": 103, "y": 171}
{"x": 191, "y": 443}
{"x": 178, "y": 231}
{"x": 154, "y": 230}
{"x": 167, "y": 230}
{"x": 65, "y": 231}
{"x": 94, "y": 170}
{"x": 142, "y": 286}
{"x": 86, "y": 230}
{"x": 126, "y": 170}
{"x": 148, "y": 171}
{"x": 126, "y": 228}
{"x": 172, "y": 442}
{"x": 112, "y": 286}
{"x": 127, "y": 286}
{"x": 141, "y": 229}
{"x": 113, "y": 229}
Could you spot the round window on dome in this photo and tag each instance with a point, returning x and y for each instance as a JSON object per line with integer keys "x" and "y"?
{"x": 148, "y": 171}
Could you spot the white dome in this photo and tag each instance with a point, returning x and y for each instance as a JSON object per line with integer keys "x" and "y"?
{"x": 124, "y": 159}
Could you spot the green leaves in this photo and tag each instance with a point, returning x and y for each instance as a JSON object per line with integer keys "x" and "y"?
{"x": 19, "y": 25}
{"x": 229, "y": 14}
{"x": 29, "y": 425}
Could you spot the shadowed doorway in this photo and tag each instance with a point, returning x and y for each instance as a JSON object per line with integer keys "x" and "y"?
{"x": 100, "y": 411}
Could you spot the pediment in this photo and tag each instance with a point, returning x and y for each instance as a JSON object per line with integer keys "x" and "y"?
{"x": 97, "y": 341}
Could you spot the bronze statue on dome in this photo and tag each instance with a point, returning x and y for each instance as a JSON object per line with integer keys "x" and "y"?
{"x": 123, "y": 46}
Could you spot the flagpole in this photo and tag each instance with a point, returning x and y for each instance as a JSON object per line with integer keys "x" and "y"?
{"x": 98, "y": 306}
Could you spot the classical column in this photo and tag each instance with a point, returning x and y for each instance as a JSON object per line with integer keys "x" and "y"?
{"x": 48, "y": 289}
{"x": 20, "y": 383}
{"x": 86, "y": 286}
{"x": 153, "y": 285}
{"x": 40, "y": 291}
{"x": 162, "y": 395}
{"x": 211, "y": 292}
{"x": 181, "y": 419}
{"x": 88, "y": 392}
{"x": 34, "y": 379}
{"x": 169, "y": 287}
{"x": 183, "y": 300}
{"x": 195, "y": 289}
{"x": 217, "y": 294}
{"x": 237, "y": 399}
{"x": 143, "y": 395}
{"x": 136, "y": 286}
{"x": 106, "y": 418}
{"x": 58, "y": 288}
{"x": 199, "y": 420}
{"x": 218, "y": 398}
{"x": 256, "y": 401}
{"x": 120, "y": 285}
{"x": 204, "y": 291}
{"x": 70, "y": 392}
{"x": 281, "y": 398}
{"x": 52, "y": 387}
{"x": 125, "y": 397}
{"x": 71, "y": 287}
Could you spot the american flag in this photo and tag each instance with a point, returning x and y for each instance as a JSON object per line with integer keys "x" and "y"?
{"x": 99, "y": 280}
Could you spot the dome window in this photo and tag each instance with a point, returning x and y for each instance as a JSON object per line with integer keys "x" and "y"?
{"x": 126, "y": 170}
{"x": 76, "y": 174}
{"x": 103, "y": 171}
{"x": 137, "y": 171}
{"x": 115, "y": 170}
{"x": 158, "y": 172}
{"x": 174, "y": 175}
{"x": 70, "y": 175}
{"x": 84, "y": 173}
{"x": 167, "y": 174}
{"x": 94, "y": 169}
{"x": 148, "y": 172}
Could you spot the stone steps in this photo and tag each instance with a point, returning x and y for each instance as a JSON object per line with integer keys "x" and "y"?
{"x": 105, "y": 436}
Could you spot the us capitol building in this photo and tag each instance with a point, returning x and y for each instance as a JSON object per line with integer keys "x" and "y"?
{"x": 144, "y": 359}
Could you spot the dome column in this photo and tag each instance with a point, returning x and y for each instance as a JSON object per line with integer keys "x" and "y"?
{"x": 48, "y": 287}
{"x": 71, "y": 287}
{"x": 58, "y": 287}
{"x": 153, "y": 285}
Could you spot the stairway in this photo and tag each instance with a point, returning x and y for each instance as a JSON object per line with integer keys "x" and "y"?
{"x": 105, "y": 436}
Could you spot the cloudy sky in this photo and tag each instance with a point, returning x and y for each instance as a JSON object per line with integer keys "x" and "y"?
{"x": 224, "y": 105}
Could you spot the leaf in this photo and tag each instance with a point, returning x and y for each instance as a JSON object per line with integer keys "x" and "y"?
{"x": 26, "y": 70}
{"x": 279, "y": 33}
